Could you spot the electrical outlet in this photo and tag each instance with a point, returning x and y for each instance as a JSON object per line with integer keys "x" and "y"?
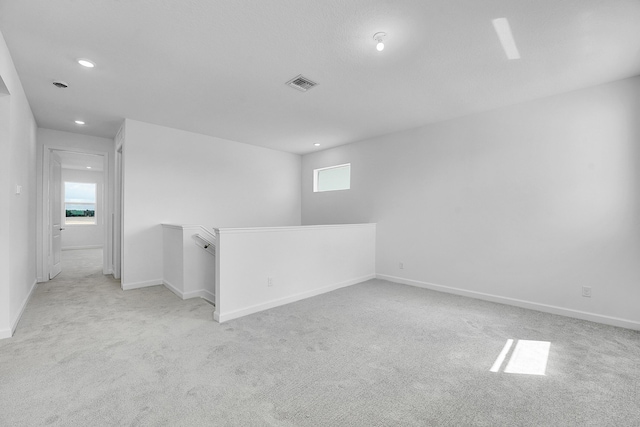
{"x": 401, "y": 266}
{"x": 269, "y": 281}
{"x": 586, "y": 291}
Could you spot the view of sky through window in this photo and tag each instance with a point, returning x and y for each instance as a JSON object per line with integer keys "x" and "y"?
{"x": 80, "y": 203}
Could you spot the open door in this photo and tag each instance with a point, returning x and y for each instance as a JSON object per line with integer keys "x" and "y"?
{"x": 55, "y": 211}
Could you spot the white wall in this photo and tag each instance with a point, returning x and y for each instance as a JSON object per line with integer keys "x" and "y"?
{"x": 178, "y": 177}
{"x": 173, "y": 258}
{"x": 189, "y": 269}
{"x": 301, "y": 261}
{"x": 87, "y": 235}
{"x": 52, "y": 139}
{"x": 18, "y": 212}
{"x": 523, "y": 205}
{"x": 5, "y": 215}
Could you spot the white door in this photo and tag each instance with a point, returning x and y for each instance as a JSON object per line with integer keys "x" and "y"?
{"x": 55, "y": 212}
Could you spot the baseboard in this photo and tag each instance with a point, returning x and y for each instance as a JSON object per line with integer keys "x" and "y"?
{"x": 138, "y": 285}
{"x": 223, "y": 317}
{"x": 567, "y": 312}
{"x": 173, "y": 289}
{"x": 202, "y": 293}
{"x": 8, "y": 333}
{"x": 73, "y": 248}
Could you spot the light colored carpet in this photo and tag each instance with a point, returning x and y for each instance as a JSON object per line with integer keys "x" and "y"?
{"x": 373, "y": 354}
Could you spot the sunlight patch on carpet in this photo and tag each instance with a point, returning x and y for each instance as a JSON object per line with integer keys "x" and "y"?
{"x": 528, "y": 357}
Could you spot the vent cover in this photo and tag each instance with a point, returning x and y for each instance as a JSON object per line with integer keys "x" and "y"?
{"x": 301, "y": 83}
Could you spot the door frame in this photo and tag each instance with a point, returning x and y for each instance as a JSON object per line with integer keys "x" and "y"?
{"x": 55, "y": 201}
{"x": 118, "y": 212}
{"x": 44, "y": 227}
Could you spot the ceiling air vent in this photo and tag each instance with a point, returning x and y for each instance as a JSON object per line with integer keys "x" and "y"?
{"x": 301, "y": 83}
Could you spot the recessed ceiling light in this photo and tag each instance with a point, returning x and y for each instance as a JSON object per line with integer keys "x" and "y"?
{"x": 86, "y": 63}
{"x": 501, "y": 25}
{"x": 88, "y": 167}
{"x": 317, "y": 144}
{"x": 79, "y": 122}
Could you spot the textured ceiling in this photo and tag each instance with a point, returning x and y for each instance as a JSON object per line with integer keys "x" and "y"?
{"x": 219, "y": 67}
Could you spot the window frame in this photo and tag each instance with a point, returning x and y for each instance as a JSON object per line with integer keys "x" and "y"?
{"x": 316, "y": 174}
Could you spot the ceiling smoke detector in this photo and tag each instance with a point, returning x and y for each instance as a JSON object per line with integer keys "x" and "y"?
{"x": 60, "y": 84}
{"x": 301, "y": 83}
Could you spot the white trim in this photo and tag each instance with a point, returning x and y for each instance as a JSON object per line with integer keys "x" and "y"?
{"x": 138, "y": 285}
{"x": 182, "y": 227}
{"x": 5, "y": 333}
{"x": 73, "y": 248}
{"x": 42, "y": 240}
{"x": 173, "y": 289}
{"x": 290, "y": 228}
{"x": 286, "y": 300}
{"x": 200, "y": 293}
{"x": 117, "y": 184}
{"x": 16, "y": 320}
{"x": 568, "y": 312}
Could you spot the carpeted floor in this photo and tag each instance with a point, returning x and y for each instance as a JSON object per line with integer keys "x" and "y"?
{"x": 375, "y": 354}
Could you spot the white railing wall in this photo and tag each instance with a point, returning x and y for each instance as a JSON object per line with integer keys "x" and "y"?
{"x": 262, "y": 268}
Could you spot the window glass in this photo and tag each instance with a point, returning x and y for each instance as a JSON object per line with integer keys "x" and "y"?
{"x": 332, "y": 178}
{"x": 79, "y": 203}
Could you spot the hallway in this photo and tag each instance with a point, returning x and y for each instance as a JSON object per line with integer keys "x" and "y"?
{"x": 80, "y": 264}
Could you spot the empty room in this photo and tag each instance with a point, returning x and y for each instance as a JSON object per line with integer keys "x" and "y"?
{"x": 320, "y": 213}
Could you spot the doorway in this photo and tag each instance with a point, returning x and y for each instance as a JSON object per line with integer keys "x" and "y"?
{"x": 78, "y": 215}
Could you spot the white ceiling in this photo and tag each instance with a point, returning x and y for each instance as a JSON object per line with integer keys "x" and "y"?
{"x": 219, "y": 67}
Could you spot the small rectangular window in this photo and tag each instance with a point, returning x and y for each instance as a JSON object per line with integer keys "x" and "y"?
{"x": 332, "y": 178}
{"x": 79, "y": 203}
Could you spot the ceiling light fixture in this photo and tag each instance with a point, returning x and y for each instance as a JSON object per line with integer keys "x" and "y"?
{"x": 79, "y": 122}
{"x": 379, "y": 37}
{"x": 88, "y": 167}
{"x": 317, "y": 144}
{"x": 86, "y": 63}
{"x": 501, "y": 25}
